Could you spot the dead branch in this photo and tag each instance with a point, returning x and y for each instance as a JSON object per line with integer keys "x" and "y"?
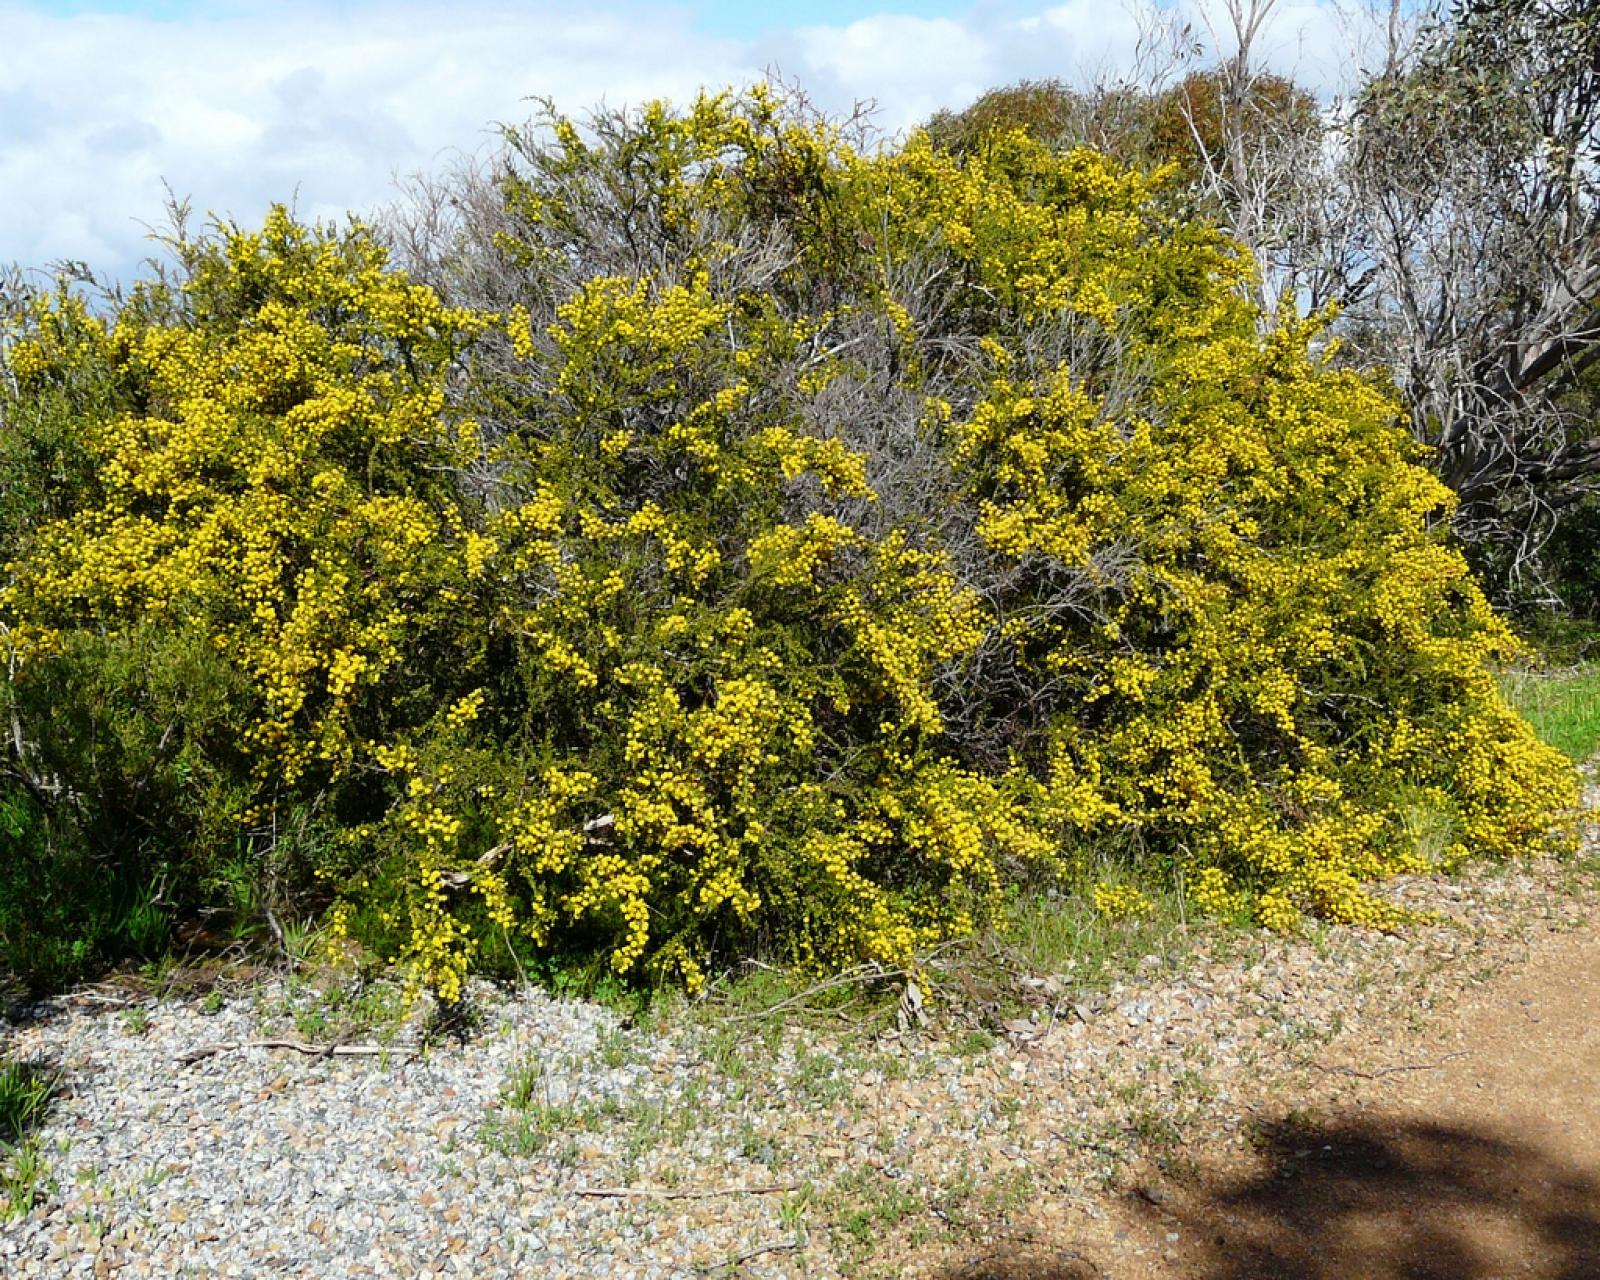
{"x": 670, "y": 1193}
{"x": 850, "y": 977}
{"x": 333, "y": 1050}
{"x": 1387, "y": 1071}
{"x": 738, "y": 1260}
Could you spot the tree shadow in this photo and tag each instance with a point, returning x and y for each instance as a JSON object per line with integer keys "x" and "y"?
{"x": 1046, "y": 1264}
{"x": 1387, "y": 1198}
{"x": 1363, "y": 1199}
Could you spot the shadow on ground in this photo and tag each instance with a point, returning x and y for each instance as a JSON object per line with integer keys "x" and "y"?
{"x": 1046, "y": 1264}
{"x": 1377, "y": 1199}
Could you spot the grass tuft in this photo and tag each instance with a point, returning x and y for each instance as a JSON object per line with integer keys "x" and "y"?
{"x": 27, "y": 1090}
{"x": 1562, "y": 705}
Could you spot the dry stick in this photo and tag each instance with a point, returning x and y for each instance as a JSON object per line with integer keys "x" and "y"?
{"x": 859, "y": 975}
{"x": 107, "y": 999}
{"x": 299, "y": 1046}
{"x": 849, "y": 978}
{"x": 667, "y": 1193}
{"x": 734, "y": 1263}
{"x": 1389, "y": 1071}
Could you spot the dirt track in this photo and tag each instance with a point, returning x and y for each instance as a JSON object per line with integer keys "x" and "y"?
{"x": 1467, "y": 1151}
{"x": 1487, "y": 1164}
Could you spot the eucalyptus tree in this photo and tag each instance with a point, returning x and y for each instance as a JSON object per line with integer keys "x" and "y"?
{"x": 1474, "y": 163}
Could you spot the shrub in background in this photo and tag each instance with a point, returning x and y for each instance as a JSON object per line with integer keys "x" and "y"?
{"x": 727, "y": 536}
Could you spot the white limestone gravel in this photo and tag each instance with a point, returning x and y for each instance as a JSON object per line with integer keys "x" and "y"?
{"x": 267, "y": 1162}
{"x": 738, "y": 1148}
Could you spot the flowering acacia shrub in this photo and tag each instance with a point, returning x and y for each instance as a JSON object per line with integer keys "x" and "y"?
{"x": 722, "y": 536}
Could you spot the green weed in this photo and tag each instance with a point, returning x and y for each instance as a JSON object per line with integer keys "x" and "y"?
{"x": 1562, "y": 705}
{"x": 24, "y": 1178}
{"x": 26, "y": 1092}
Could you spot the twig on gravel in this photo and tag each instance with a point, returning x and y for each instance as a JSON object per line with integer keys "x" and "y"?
{"x": 850, "y": 977}
{"x": 668, "y": 1193}
{"x": 299, "y": 1046}
{"x": 109, "y": 1000}
{"x": 859, "y": 975}
{"x": 737, "y": 1261}
{"x": 1388, "y": 1071}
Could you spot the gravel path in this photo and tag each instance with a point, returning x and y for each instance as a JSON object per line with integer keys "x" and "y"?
{"x": 555, "y": 1141}
{"x": 1466, "y": 1149}
{"x": 258, "y": 1162}
{"x": 1495, "y": 1151}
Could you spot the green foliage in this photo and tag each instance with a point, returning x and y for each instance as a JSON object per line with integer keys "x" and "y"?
{"x": 746, "y": 542}
{"x": 1574, "y": 571}
{"x": 1049, "y": 111}
{"x": 1181, "y": 125}
{"x": 63, "y": 910}
{"x": 1563, "y": 706}
{"x": 27, "y": 1090}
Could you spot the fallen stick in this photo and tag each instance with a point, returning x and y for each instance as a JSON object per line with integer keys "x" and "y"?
{"x": 1389, "y": 1071}
{"x": 862, "y": 973}
{"x": 668, "y": 1193}
{"x": 299, "y": 1046}
{"x": 737, "y": 1261}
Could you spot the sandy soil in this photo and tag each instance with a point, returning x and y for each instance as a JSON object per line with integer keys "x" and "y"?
{"x": 1466, "y": 1150}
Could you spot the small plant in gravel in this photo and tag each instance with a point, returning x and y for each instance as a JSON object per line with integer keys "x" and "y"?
{"x": 26, "y": 1093}
{"x": 525, "y": 1087}
{"x": 530, "y": 1119}
{"x": 974, "y": 1043}
{"x": 616, "y": 1048}
{"x": 157, "y": 1174}
{"x": 728, "y": 1051}
{"x": 1009, "y": 1192}
{"x": 24, "y": 1178}
{"x": 531, "y": 1129}
{"x": 334, "y": 1006}
{"x": 819, "y": 1077}
{"x": 1154, "y": 1128}
{"x": 867, "y": 1202}
{"x": 795, "y": 1205}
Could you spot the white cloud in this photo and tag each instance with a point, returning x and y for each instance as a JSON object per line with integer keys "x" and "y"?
{"x": 909, "y": 66}
{"x": 242, "y": 105}
{"x": 242, "y": 110}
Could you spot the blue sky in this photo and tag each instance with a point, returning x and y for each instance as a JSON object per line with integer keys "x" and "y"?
{"x": 731, "y": 19}
{"x": 238, "y": 103}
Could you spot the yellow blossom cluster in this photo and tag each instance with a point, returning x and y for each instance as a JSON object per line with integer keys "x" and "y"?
{"x": 1121, "y": 901}
{"x": 616, "y": 618}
